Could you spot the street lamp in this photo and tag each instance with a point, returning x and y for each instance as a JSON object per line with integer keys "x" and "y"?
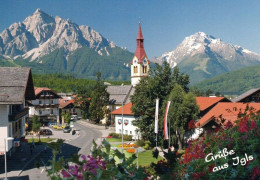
{"x": 122, "y": 85}
{"x": 6, "y": 139}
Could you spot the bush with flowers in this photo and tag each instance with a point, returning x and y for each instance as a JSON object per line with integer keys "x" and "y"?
{"x": 99, "y": 165}
{"x": 131, "y": 150}
{"x": 232, "y": 151}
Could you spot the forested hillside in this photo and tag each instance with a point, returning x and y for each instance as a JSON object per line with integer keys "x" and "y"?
{"x": 233, "y": 83}
{"x": 65, "y": 83}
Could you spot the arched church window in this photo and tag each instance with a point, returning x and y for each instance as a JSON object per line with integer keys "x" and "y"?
{"x": 144, "y": 69}
{"x": 135, "y": 69}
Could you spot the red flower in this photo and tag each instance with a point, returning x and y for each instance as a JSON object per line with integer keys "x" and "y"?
{"x": 211, "y": 168}
{"x": 191, "y": 124}
{"x": 253, "y": 125}
{"x": 198, "y": 175}
{"x": 228, "y": 125}
{"x": 256, "y": 172}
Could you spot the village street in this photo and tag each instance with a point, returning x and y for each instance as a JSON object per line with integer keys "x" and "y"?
{"x": 22, "y": 164}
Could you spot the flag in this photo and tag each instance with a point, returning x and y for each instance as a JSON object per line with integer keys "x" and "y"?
{"x": 165, "y": 120}
{"x": 156, "y": 116}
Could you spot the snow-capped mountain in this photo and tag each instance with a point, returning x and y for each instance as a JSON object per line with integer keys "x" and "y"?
{"x": 202, "y": 56}
{"x": 200, "y": 43}
{"x": 41, "y": 34}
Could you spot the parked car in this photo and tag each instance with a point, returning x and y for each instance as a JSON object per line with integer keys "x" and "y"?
{"x": 74, "y": 117}
{"x": 50, "y": 124}
{"x": 66, "y": 129}
{"x": 45, "y": 132}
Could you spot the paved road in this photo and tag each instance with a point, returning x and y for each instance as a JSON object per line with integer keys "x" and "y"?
{"x": 79, "y": 143}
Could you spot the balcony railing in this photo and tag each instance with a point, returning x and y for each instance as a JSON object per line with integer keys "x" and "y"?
{"x": 19, "y": 114}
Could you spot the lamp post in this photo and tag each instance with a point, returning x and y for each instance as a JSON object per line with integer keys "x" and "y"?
{"x": 122, "y": 85}
{"x": 5, "y": 139}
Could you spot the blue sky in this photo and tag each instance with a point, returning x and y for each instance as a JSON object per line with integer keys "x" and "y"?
{"x": 165, "y": 23}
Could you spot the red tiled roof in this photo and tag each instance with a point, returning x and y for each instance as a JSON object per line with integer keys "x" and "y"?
{"x": 63, "y": 103}
{"x": 228, "y": 110}
{"x": 140, "y": 52}
{"x": 205, "y": 102}
{"x": 38, "y": 90}
{"x": 126, "y": 110}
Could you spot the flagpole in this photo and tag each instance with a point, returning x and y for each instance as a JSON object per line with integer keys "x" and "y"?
{"x": 156, "y": 119}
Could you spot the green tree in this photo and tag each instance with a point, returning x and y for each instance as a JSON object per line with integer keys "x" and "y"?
{"x": 36, "y": 125}
{"x": 183, "y": 109}
{"x": 66, "y": 116}
{"x": 99, "y": 99}
{"x": 158, "y": 85}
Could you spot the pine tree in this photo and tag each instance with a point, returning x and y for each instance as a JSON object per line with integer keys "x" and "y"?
{"x": 99, "y": 99}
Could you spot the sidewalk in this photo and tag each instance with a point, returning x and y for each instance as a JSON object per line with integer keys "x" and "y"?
{"x": 19, "y": 160}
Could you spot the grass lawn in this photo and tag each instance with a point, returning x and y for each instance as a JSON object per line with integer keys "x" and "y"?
{"x": 144, "y": 158}
{"x": 113, "y": 140}
{"x": 43, "y": 140}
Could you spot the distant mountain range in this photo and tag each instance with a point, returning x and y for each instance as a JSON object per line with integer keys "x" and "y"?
{"x": 202, "y": 57}
{"x": 51, "y": 44}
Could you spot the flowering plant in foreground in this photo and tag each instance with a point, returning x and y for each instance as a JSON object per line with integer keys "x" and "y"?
{"x": 99, "y": 165}
{"x": 229, "y": 152}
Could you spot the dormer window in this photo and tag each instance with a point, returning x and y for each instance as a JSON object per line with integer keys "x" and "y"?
{"x": 144, "y": 61}
{"x": 135, "y": 61}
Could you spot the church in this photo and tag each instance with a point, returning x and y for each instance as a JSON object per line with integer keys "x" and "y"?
{"x": 120, "y": 96}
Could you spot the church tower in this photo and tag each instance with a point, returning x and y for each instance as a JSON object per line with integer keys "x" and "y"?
{"x": 140, "y": 63}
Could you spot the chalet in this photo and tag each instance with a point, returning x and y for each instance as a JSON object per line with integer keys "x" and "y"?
{"x": 224, "y": 110}
{"x": 46, "y": 105}
{"x": 252, "y": 95}
{"x": 16, "y": 87}
{"x": 124, "y": 119}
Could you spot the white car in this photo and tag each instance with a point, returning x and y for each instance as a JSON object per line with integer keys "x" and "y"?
{"x": 74, "y": 117}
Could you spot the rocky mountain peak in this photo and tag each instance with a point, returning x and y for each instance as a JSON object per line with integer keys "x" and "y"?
{"x": 40, "y": 34}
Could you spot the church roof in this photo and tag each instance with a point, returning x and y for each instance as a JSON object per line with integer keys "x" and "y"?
{"x": 140, "y": 52}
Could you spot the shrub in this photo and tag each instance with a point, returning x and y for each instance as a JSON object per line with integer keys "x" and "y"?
{"x": 140, "y": 143}
{"x": 147, "y": 145}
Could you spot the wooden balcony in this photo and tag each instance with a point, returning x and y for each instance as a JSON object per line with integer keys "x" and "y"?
{"x": 19, "y": 114}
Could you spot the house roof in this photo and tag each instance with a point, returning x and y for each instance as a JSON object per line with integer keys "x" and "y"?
{"x": 39, "y": 90}
{"x": 120, "y": 94}
{"x": 63, "y": 103}
{"x": 16, "y": 84}
{"x": 126, "y": 110}
{"x": 227, "y": 110}
{"x": 245, "y": 95}
{"x": 206, "y": 102}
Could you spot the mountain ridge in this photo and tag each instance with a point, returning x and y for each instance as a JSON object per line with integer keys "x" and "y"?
{"x": 203, "y": 56}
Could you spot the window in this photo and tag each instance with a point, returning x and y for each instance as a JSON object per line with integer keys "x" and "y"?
{"x": 40, "y": 102}
{"x": 135, "y": 69}
{"x": 144, "y": 69}
{"x": 51, "y": 111}
{"x": 40, "y": 111}
{"x": 126, "y": 132}
{"x": 51, "y": 101}
{"x": 119, "y": 130}
{"x": 130, "y": 132}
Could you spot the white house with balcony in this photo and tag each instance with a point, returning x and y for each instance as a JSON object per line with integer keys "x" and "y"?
{"x": 124, "y": 121}
{"x": 16, "y": 86}
{"x": 46, "y": 105}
